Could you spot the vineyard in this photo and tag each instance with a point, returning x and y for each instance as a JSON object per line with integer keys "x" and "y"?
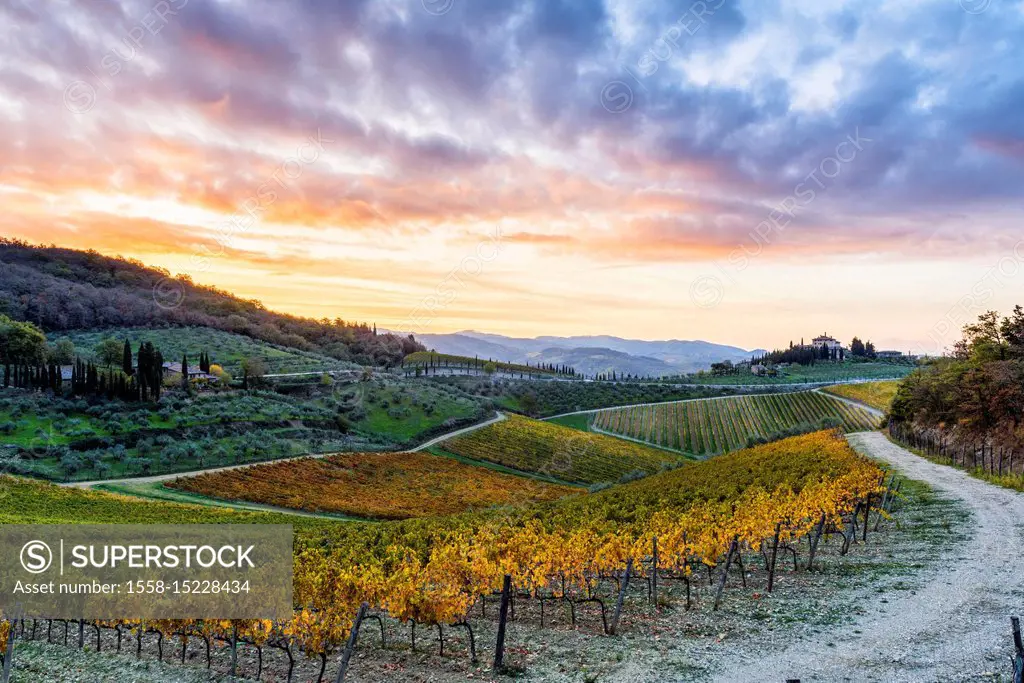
{"x": 559, "y": 452}
{"x": 373, "y": 485}
{"x": 878, "y": 395}
{"x": 437, "y": 571}
{"x": 712, "y": 426}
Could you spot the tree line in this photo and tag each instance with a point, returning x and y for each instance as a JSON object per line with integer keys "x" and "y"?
{"x": 115, "y": 372}
{"x": 976, "y": 394}
{"x": 64, "y": 289}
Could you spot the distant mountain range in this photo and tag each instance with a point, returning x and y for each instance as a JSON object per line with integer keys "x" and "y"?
{"x": 591, "y": 355}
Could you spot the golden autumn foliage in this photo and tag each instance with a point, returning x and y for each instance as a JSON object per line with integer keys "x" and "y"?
{"x": 374, "y": 485}
{"x": 878, "y": 395}
{"x": 434, "y": 569}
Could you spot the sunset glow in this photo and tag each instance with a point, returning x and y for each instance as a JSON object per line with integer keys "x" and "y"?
{"x": 581, "y": 168}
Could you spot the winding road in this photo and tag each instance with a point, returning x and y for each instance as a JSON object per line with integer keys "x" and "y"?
{"x": 956, "y": 627}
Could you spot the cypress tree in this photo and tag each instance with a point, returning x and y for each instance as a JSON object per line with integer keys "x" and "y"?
{"x": 91, "y": 379}
{"x": 184, "y": 372}
{"x": 158, "y": 374}
{"x": 126, "y": 362}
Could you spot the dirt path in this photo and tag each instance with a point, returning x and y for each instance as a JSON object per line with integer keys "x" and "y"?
{"x": 956, "y": 627}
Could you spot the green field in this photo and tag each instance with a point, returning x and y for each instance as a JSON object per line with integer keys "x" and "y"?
{"x": 822, "y": 373}
{"x": 405, "y": 410}
{"x": 544, "y": 398}
{"x": 70, "y": 439}
{"x": 225, "y": 349}
{"x": 580, "y": 421}
{"x": 559, "y": 452}
{"x": 713, "y": 426}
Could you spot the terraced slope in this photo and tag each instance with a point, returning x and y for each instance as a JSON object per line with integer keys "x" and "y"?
{"x": 712, "y": 426}
{"x": 375, "y": 485}
{"x": 559, "y": 452}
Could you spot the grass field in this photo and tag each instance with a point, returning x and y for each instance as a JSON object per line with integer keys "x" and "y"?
{"x": 374, "y": 485}
{"x": 878, "y": 395}
{"x": 404, "y": 410}
{"x": 225, "y": 349}
{"x": 560, "y": 452}
{"x": 822, "y": 373}
{"x": 74, "y": 439}
{"x": 23, "y": 501}
{"x": 709, "y": 427}
{"x": 580, "y": 421}
{"x": 544, "y": 398}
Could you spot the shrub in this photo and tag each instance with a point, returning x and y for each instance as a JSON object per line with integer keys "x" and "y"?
{"x": 633, "y": 476}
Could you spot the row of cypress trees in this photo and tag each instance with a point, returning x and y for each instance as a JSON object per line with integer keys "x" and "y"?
{"x": 133, "y": 381}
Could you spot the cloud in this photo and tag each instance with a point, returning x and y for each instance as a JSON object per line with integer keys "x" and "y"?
{"x": 492, "y": 114}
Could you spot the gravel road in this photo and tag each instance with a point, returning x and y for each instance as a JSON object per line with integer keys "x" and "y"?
{"x": 955, "y": 628}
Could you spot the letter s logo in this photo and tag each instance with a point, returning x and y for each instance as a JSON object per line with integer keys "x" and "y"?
{"x": 36, "y": 557}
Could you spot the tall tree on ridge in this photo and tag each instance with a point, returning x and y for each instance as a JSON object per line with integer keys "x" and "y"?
{"x": 857, "y": 347}
{"x": 126, "y": 359}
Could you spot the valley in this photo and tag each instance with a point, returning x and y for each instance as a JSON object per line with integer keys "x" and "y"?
{"x": 612, "y": 510}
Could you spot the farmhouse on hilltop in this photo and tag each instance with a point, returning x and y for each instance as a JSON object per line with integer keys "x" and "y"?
{"x": 826, "y": 342}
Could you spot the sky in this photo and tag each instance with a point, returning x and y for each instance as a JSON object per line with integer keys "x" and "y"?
{"x": 745, "y": 172}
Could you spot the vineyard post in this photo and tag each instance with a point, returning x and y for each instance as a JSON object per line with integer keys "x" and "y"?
{"x": 654, "y": 574}
{"x": 885, "y": 501}
{"x": 850, "y": 534}
{"x": 353, "y": 636}
{"x": 814, "y": 542}
{"x": 867, "y": 516}
{"x": 622, "y": 596}
{"x": 775, "y": 552}
{"x": 725, "y": 573}
{"x": 499, "y": 648}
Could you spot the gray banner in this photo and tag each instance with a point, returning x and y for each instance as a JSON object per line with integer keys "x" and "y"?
{"x": 147, "y": 571}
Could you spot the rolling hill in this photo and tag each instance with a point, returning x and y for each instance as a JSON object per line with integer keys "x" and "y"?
{"x": 65, "y": 289}
{"x": 591, "y": 355}
{"x": 719, "y": 425}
